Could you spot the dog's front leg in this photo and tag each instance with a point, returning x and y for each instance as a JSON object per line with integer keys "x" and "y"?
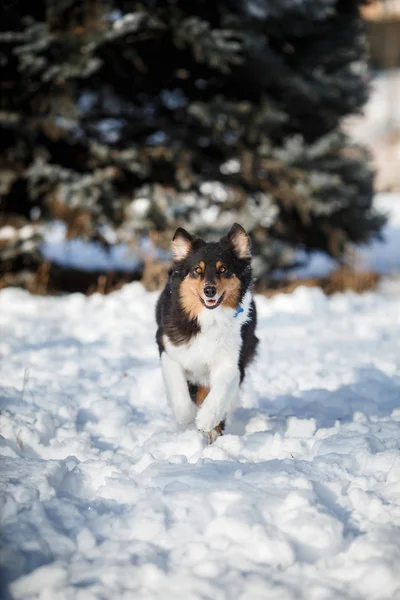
{"x": 219, "y": 403}
{"x": 177, "y": 390}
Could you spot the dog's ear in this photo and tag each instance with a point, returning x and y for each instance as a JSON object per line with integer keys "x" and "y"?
{"x": 181, "y": 244}
{"x": 240, "y": 241}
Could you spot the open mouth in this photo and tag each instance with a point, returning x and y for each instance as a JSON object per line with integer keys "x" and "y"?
{"x": 212, "y": 302}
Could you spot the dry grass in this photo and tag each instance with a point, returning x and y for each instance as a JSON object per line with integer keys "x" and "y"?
{"x": 51, "y": 279}
{"x": 342, "y": 280}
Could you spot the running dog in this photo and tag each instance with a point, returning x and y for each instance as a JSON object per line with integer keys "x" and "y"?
{"x": 206, "y": 320}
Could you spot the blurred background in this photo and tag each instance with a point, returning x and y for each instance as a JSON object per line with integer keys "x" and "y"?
{"x": 122, "y": 120}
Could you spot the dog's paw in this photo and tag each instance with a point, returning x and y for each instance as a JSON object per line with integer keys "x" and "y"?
{"x": 211, "y": 436}
{"x": 207, "y": 418}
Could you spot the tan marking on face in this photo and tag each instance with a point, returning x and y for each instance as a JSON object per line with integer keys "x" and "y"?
{"x": 230, "y": 287}
{"x": 219, "y": 265}
{"x": 201, "y": 394}
{"x": 190, "y": 290}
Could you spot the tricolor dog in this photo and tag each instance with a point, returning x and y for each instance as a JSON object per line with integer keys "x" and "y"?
{"x": 206, "y": 320}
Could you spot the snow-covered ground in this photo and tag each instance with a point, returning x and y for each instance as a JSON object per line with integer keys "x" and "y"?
{"x": 78, "y": 253}
{"x": 383, "y": 256}
{"x": 104, "y": 498}
{"x": 380, "y": 255}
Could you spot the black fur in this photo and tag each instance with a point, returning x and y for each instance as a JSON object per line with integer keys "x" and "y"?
{"x": 249, "y": 341}
{"x": 171, "y": 318}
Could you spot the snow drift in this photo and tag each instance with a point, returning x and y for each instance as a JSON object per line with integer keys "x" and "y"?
{"x": 104, "y": 497}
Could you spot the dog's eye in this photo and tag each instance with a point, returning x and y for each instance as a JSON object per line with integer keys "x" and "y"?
{"x": 222, "y": 269}
{"x": 198, "y": 270}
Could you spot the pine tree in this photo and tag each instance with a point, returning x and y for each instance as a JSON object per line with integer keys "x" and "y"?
{"x": 137, "y": 117}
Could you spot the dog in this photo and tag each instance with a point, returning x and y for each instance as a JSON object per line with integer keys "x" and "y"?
{"x": 206, "y": 318}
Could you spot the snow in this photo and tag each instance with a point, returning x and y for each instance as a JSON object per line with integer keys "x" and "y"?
{"x": 103, "y": 496}
{"x": 380, "y": 255}
{"x": 383, "y": 256}
{"x": 78, "y": 253}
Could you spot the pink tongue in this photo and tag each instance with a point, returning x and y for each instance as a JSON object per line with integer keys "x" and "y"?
{"x": 210, "y": 302}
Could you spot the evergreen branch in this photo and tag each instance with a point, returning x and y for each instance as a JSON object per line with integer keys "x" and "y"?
{"x": 219, "y": 48}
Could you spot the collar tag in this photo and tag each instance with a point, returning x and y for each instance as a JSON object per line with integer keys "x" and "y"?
{"x": 239, "y": 310}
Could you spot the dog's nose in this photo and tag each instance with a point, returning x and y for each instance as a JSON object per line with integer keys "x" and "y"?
{"x": 210, "y": 291}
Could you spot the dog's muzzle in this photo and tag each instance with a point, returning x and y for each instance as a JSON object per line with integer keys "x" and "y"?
{"x": 210, "y": 299}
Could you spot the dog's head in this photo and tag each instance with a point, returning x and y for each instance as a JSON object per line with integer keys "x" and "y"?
{"x": 212, "y": 274}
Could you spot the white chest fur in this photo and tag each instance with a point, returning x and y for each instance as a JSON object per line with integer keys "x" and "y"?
{"x": 219, "y": 340}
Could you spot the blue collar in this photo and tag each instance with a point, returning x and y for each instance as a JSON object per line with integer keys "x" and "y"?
{"x": 239, "y": 310}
